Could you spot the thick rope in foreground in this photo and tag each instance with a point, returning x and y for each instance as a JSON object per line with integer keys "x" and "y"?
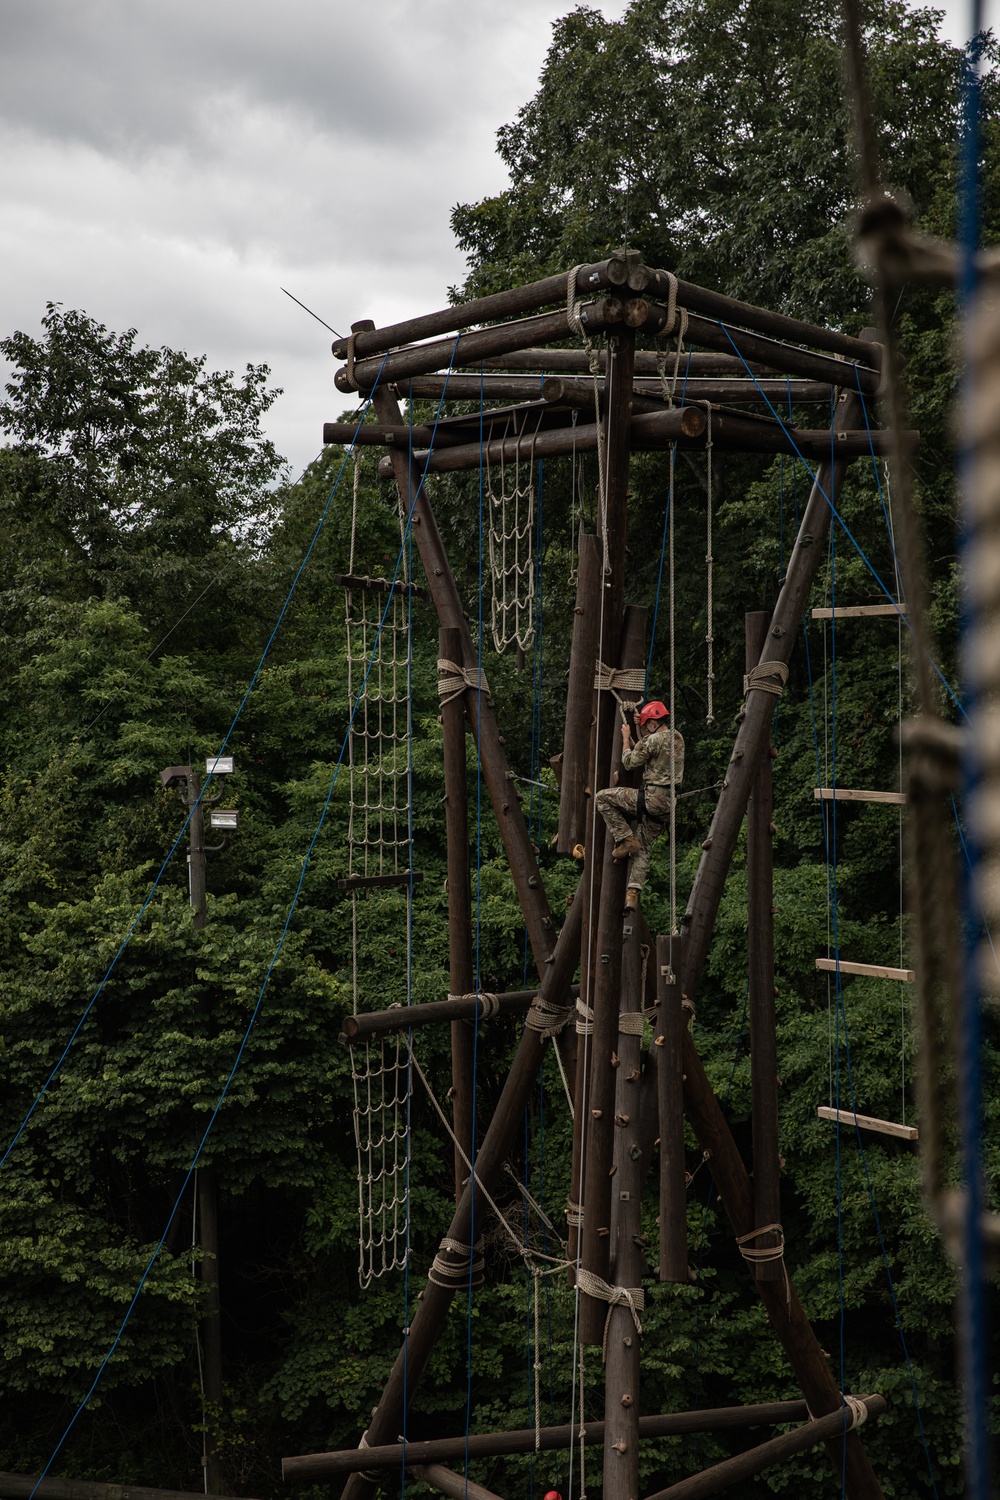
{"x": 632, "y": 1297}
{"x": 764, "y": 1255}
{"x": 547, "y": 1018}
{"x": 454, "y": 679}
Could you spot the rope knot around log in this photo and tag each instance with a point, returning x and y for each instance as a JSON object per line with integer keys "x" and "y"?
{"x": 618, "y": 680}
{"x": 765, "y": 1254}
{"x": 632, "y": 1297}
{"x": 453, "y": 680}
{"x": 349, "y": 371}
{"x": 374, "y": 1476}
{"x": 585, "y": 1018}
{"x": 630, "y": 1022}
{"x": 757, "y": 678}
{"x": 545, "y": 1017}
{"x": 854, "y": 1404}
{"x": 456, "y": 1274}
{"x": 574, "y": 1214}
{"x": 489, "y": 1004}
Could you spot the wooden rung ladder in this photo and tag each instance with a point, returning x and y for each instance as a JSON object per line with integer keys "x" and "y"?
{"x": 868, "y": 1122}
{"x": 852, "y": 794}
{"x": 865, "y": 971}
{"x": 859, "y": 612}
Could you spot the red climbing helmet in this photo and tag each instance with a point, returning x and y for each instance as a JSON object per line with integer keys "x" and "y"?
{"x": 552, "y": 1495}
{"x": 654, "y": 710}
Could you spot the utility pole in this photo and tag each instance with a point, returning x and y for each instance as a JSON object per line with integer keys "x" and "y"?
{"x": 187, "y": 782}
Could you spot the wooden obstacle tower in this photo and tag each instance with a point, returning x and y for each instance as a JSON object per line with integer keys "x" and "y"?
{"x": 538, "y": 401}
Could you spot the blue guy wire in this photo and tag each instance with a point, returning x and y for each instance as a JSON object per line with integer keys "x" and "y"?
{"x": 174, "y": 846}
{"x": 973, "y": 1315}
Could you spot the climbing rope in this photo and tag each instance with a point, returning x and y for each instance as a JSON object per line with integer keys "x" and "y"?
{"x": 594, "y": 361}
{"x": 378, "y": 840}
{"x": 511, "y": 550}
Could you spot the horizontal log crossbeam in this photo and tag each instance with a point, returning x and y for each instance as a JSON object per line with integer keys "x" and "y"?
{"x": 455, "y": 1008}
{"x": 310, "y": 1466}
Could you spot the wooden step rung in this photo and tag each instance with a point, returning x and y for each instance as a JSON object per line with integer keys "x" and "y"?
{"x": 868, "y": 1122}
{"x": 865, "y": 971}
{"x": 859, "y": 611}
{"x": 854, "y": 794}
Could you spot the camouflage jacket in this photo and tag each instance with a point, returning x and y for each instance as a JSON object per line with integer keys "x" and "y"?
{"x": 652, "y": 753}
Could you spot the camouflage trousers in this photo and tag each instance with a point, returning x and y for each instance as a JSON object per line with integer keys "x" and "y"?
{"x": 618, "y": 805}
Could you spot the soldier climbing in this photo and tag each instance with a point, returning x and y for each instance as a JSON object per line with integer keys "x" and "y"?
{"x": 660, "y": 752}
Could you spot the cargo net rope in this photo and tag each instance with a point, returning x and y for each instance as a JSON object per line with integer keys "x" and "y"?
{"x": 378, "y": 652}
{"x": 510, "y": 490}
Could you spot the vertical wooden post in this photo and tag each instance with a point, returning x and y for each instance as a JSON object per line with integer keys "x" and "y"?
{"x": 669, "y": 1043}
{"x": 573, "y": 802}
{"x": 604, "y": 999}
{"x": 785, "y": 1312}
{"x": 460, "y": 969}
{"x": 627, "y": 1261}
{"x": 760, "y": 954}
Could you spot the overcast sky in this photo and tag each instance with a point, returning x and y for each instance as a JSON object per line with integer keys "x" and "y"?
{"x": 171, "y": 164}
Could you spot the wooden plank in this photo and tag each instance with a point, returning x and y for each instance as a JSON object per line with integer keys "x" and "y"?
{"x": 867, "y": 1122}
{"x": 859, "y": 612}
{"x": 866, "y": 971}
{"x": 854, "y": 794}
{"x": 372, "y": 882}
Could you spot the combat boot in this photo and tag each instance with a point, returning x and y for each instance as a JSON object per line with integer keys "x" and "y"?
{"x": 626, "y": 848}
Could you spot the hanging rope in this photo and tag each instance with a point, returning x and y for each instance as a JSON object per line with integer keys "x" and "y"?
{"x": 710, "y": 577}
{"x": 668, "y": 387}
{"x": 594, "y": 361}
{"x": 673, "y": 686}
{"x": 378, "y": 840}
{"x": 511, "y": 550}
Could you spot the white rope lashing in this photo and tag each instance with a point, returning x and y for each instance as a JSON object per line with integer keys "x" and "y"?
{"x": 632, "y": 1297}
{"x": 766, "y": 1254}
{"x": 760, "y": 678}
{"x": 489, "y": 1004}
{"x": 453, "y": 680}
{"x": 618, "y": 680}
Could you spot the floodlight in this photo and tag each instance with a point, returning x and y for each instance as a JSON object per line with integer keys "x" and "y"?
{"x": 219, "y": 765}
{"x": 224, "y": 817}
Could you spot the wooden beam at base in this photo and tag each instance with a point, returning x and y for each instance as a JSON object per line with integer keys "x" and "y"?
{"x": 378, "y": 882}
{"x": 308, "y": 1467}
{"x": 21, "y": 1486}
{"x": 867, "y": 1122}
{"x": 455, "y": 1486}
{"x": 859, "y": 611}
{"x": 864, "y": 971}
{"x": 854, "y": 794}
{"x": 722, "y": 1476}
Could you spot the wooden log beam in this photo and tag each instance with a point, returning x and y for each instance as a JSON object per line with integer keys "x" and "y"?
{"x": 577, "y": 362}
{"x": 515, "y": 300}
{"x": 657, "y": 428}
{"x": 428, "y": 1318}
{"x": 760, "y": 959}
{"x": 478, "y": 706}
{"x": 754, "y": 731}
{"x": 312, "y": 1466}
{"x": 476, "y": 348}
{"x": 460, "y": 967}
{"x": 654, "y": 432}
{"x": 431, "y": 1012}
{"x": 570, "y": 389}
{"x": 732, "y": 1470}
{"x": 669, "y": 1053}
{"x": 710, "y": 333}
{"x": 627, "y": 1261}
{"x": 455, "y": 1486}
{"x": 785, "y": 1312}
{"x": 22, "y": 1486}
{"x": 605, "y": 1000}
{"x": 698, "y": 299}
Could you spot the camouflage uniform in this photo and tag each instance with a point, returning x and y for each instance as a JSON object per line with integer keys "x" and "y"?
{"x": 652, "y": 752}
